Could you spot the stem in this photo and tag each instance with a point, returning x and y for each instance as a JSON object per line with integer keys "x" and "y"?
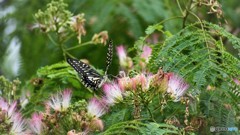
{"x": 60, "y": 41}
{"x": 136, "y": 106}
{"x": 186, "y": 122}
{"x": 68, "y": 37}
{"x": 179, "y": 7}
{"x": 145, "y": 103}
{"x": 203, "y": 32}
{"x": 68, "y": 54}
{"x": 170, "y": 19}
{"x": 186, "y": 14}
{"x": 77, "y": 46}
{"x": 52, "y": 40}
{"x": 61, "y": 46}
{"x": 136, "y": 113}
{"x": 151, "y": 115}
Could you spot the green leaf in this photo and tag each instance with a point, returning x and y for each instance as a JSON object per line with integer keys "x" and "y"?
{"x": 158, "y": 129}
{"x": 152, "y": 28}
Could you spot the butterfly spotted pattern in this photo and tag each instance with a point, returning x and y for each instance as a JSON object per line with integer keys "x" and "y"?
{"x": 88, "y": 76}
{"x": 109, "y": 55}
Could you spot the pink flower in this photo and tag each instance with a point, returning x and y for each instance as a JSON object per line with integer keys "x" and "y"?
{"x": 96, "y": 107}
{"x": 3, "y": 105}
{"x": 237, "y": 81}
{"x": 121, "y": 52}
{"x": 60, "y": 101}
{"x": 124, "y": 82}
{"x": 14, "y": 118}
{"x": 12, "y": 109}
{"x": 176, "y": 86}
{"x": 142, "y": 81}
{"x": 55, "y": 102}
{"x": 67, "y": 94}
{"x": 112, "y": 92}
{"x": 147, "y": 51}
{"x": 19, "y": 125}
{"x": 36, "y": 124}
{"x": 138, "y": 80}
{"x": 122, "y": 55}
{"x": 8, "y": 109}
{"x": 124, "y": 61}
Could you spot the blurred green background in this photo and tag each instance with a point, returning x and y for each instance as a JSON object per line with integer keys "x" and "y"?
{"x": 124, "y": 20}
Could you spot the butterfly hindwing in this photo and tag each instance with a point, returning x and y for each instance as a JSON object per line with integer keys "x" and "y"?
{"x": 109, "y": 55}
{"x": 89, "y": 77}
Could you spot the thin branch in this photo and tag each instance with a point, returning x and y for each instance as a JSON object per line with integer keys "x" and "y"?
{"x": 179, "y": 6}
{"x": 186, "y": 14}
{"x": 81, "y": 45}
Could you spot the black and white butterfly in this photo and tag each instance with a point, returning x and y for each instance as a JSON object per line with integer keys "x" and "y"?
{"x": 88, "y": 76}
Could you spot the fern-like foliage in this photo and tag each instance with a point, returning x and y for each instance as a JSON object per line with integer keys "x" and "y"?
{"x": 136, "y": 127}
{"x": 198, "y": 54}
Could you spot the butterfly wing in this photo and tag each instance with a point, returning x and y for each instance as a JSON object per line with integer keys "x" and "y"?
{"x": 89, "y": 77}
{"x": 109, "y": 55}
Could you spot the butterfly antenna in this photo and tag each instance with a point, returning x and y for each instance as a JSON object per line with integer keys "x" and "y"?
{"x": 120, "y": 75}
{"x": 112, "y": 76}
{"x": 109, "y": 55}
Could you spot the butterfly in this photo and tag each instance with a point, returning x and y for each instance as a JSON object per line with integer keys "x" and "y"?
{"x": 88, "y": 76}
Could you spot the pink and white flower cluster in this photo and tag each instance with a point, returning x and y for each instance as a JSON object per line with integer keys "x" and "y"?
{"x": 9, "y": 115}
{"x": 174, "y": 84}
{"x": 112, "y": 94}
{"x": 139, "y": 81}
{"x": 124, "y": 61}
{"x": 98, "y": 107}
{"x": 170, "y": 82}
{"x": 177, "y": 87}
{"x": 60, "y": 101}
{"x": 237, "y": 81}
{"x": 36, "y": 123}
{"x": 145, "y": 56}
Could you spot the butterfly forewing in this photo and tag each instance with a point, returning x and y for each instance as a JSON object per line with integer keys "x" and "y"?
{"x": 89, "y": 77}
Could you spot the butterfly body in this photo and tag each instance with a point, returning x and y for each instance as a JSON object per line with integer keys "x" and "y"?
{"x": 88, "y": 76}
